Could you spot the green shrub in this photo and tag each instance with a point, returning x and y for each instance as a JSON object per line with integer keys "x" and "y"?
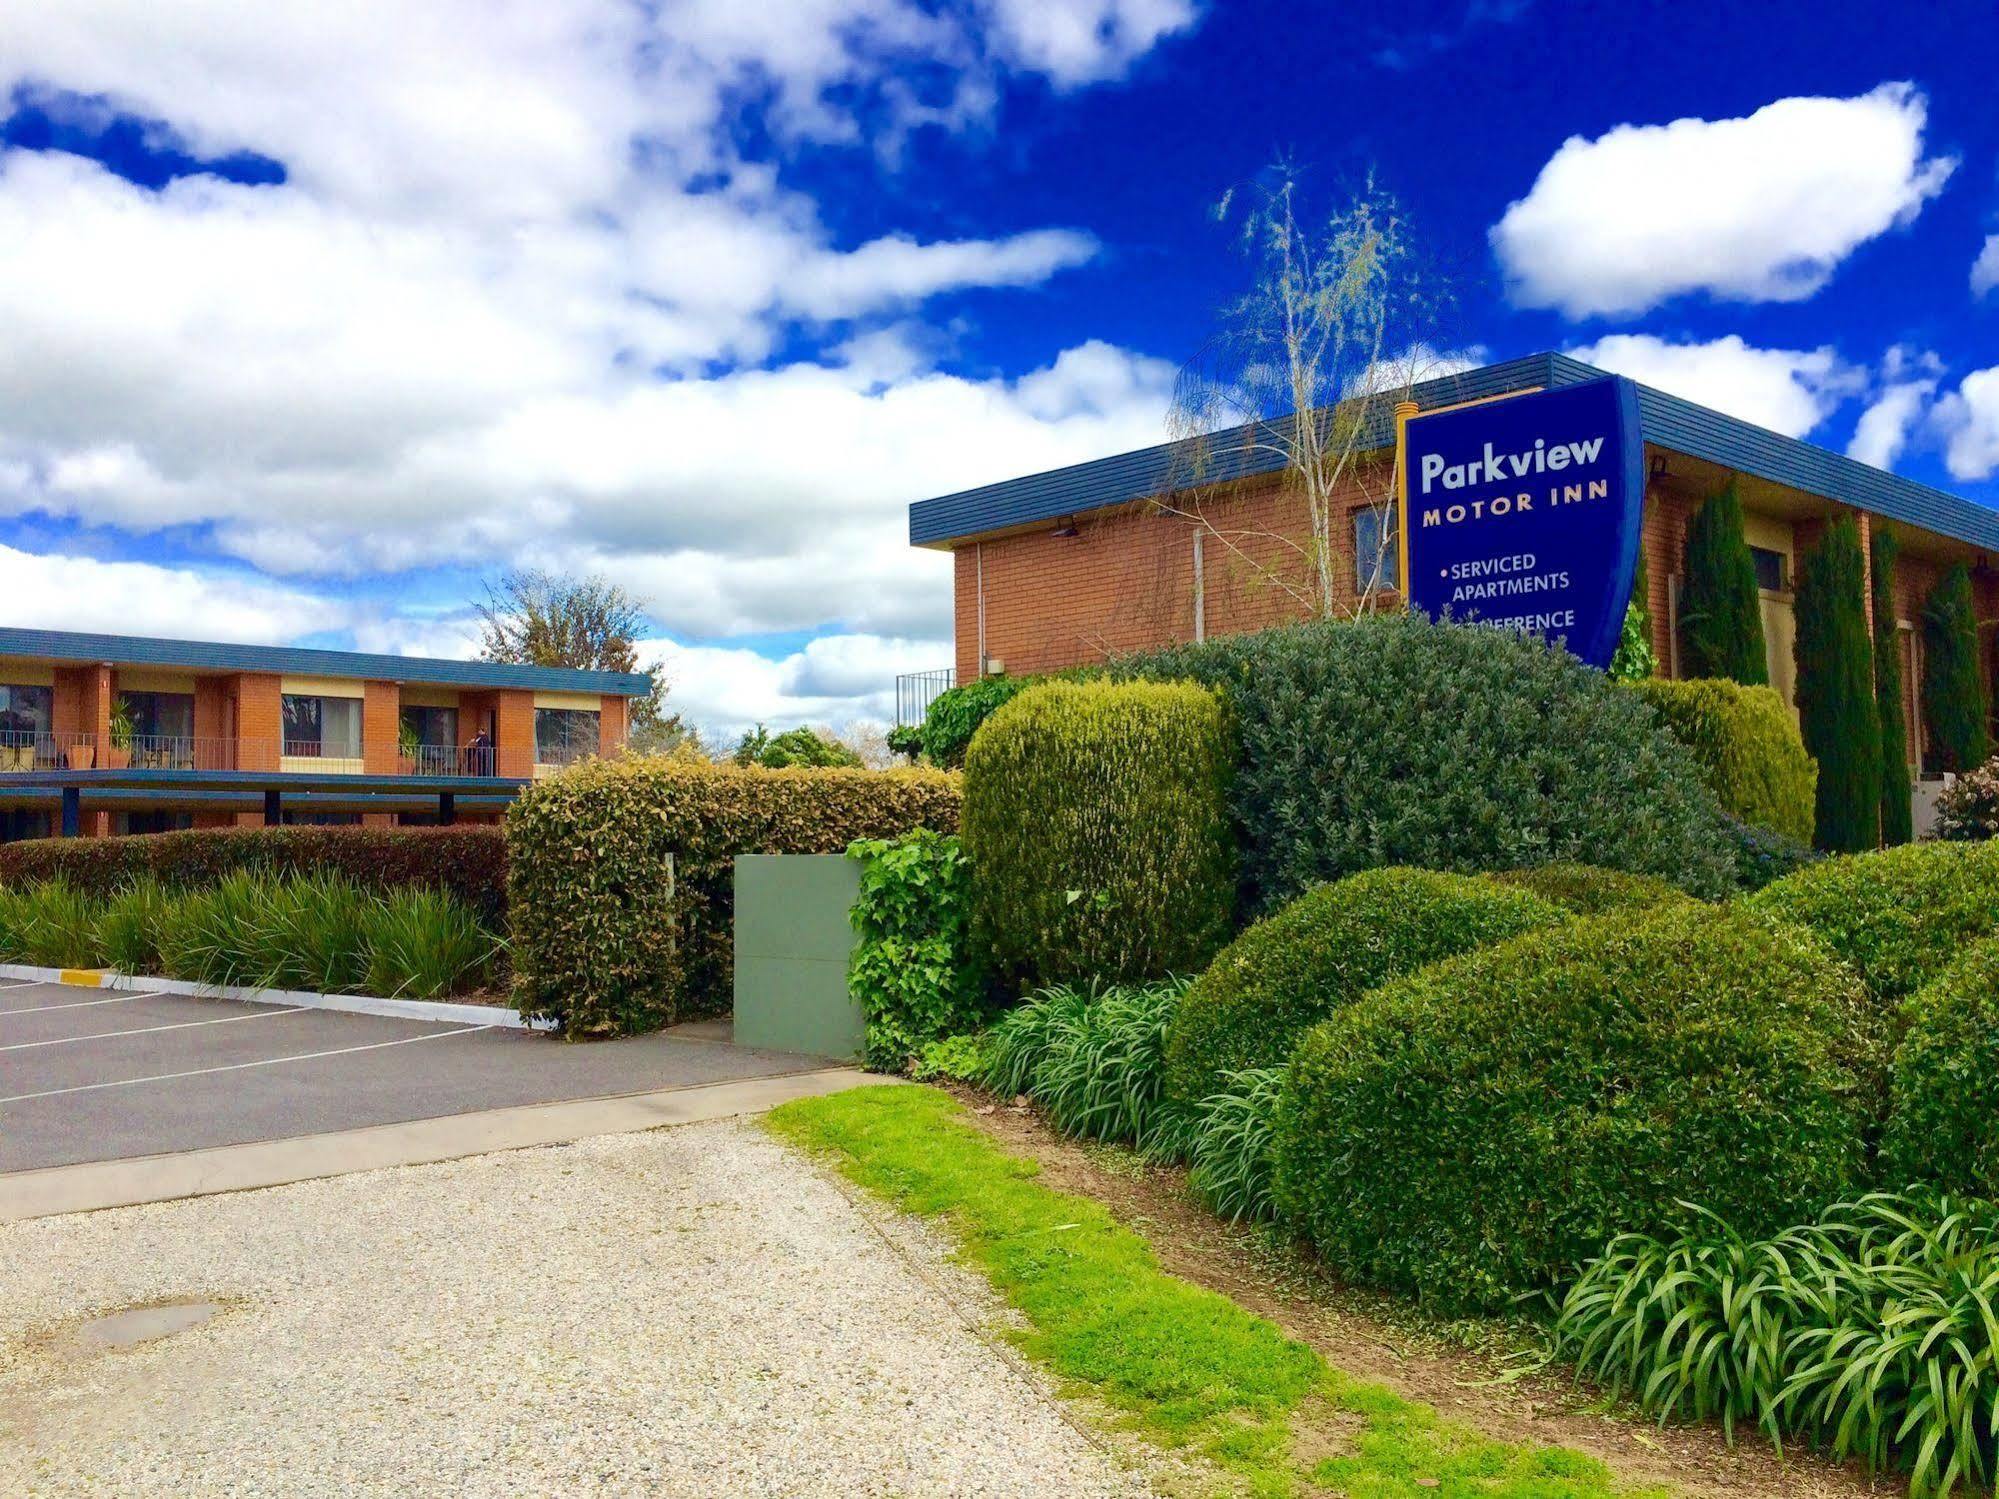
{"x": 1721, "y": 613}
{"x": 1897, "y": 812}
{"x": 1747, "y": 747}
{"x": 621, "y": 874}
{"x": 955, "y": 714}
{"x": 1968, "y": 810}
{"x": 1900, "y": 916}
{"x": 1635, "y": 660}
{"x": 468, "y": 863}
{"x": 128, "y": 926}
{"x": 953, "y": 1059}
{"x": 1586, "y": 890}
{"x": 1092, "y": 1056}
{"x": 1762, "y": 857}
{"x": 50, "y": 925}
{"x": 1943, "y": 1122}
{"x": 1287, "y": 972}
{"x": 912, "y": 969}
{"x": 1955, "y": 706}
{"x": 1869, "y": 1332}
{"x": 1837, "y": 713}
{"x": 1480, "y": 1129}
{"x": 791, "y": 749}
{"x": 1234, "y": 1145}
{"x": 1395, "y": 740}
{"x": 1096, "y": 821}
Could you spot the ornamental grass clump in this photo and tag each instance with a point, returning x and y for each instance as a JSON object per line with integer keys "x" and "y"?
{"x": 1868, "y": 1333}
{"x": 50, "y": 925}
{"x": 1477, "y": 1131}
{"x": 1233, "y": 1150}
{"x": 1091, "y": 1056}
{"x": 421, "y": 944}
{"x": 1096, "y": 820}
{"x": 1265, "y": 989}
{"x": 128, "y": 926}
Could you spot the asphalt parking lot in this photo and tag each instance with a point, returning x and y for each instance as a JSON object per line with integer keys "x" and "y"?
{"x": 92, "y": 1075}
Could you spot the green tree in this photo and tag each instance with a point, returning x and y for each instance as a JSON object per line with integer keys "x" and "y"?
{"x": 1634, "y": 659}
{"x": 536, "y": 618}
{"x": 799, "y": 746}
{"x": 1955, "y": 706}
{"x": 1721, "y": 617}
{"x": 1836, "y": 707}
{"x": 1897, "y": 824}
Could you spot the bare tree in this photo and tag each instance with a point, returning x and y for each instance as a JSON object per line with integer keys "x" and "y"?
{"x": 1305, "y": 368}
{"x": 536, "y": 618}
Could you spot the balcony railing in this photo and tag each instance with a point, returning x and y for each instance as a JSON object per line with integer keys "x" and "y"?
{"x": 916, "y": 690}
{"x": 23, "y": 751}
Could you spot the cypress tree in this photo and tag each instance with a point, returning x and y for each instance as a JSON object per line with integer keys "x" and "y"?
{"x": 1836, "y": 691}
{"x": 1954, "y": 702}
{"x": 1897, "y": 825}
{"x": 1721, "y": 617}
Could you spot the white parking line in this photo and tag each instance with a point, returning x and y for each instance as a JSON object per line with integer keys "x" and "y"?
{"x": 147, "y": 1030}
{"x": 84, "y": 1004}
{"x": 304, "y": 1056}
{"x": 22, "y": 983}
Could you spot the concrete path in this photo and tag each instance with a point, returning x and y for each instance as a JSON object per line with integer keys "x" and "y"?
{"x": 693, "y": 1311}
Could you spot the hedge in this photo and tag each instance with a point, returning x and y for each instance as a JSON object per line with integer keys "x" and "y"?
{"x": 1395, "y": 740}
{"x": 1324, "y": 950}
{"x": 468, "y": 863}
{"x": 1096, "y": 820}
{"x": 1477, "y": 1131}
{"x": 1943, "y": 1122}
{"x": 1586, "y": 890}
{"x": 1747, "y": 746}
{"x": 1898, "y": 916}
{"x": 605, "y": 940}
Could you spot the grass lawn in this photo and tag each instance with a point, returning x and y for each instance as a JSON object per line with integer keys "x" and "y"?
{"x": 1184, "y": 1367}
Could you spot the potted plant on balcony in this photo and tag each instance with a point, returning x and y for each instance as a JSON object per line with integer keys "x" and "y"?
{"x": 409, "y": 748}
{"x": 118, "y": 753}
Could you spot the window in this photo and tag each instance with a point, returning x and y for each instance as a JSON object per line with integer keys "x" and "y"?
{"x": 162, "y": 730}
{"x": 1376, "y": 553}
{"x": 322, "y": 727}
{"x": 564, "y": 735}
{"x": 1772, "y": 569}
{"x": 26, "y": 715}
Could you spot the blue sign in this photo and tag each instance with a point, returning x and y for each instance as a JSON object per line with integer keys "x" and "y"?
{"x": 1525, "y": 513}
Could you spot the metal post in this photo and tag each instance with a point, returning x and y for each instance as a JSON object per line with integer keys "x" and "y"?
{"x": 72, "y": 812}
{"x": 273, "y": 812}
{"x": 447, "y": 808}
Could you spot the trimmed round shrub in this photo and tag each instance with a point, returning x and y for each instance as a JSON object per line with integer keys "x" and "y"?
{"x": 1586, "y": 890}
{"x": 1479, "y": 1130}
{"x": 1096, "y": 819}
{"x": 1748, "y": 748}
{"x": 1397, "y": 740}
{"x": 1899, "y": 916}
{"x": 1943, "y": 1123}
{"x": 1324, "y": 950}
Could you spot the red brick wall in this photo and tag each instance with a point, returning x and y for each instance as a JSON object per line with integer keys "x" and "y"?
{"x": 259, "y": 720}
{"x": 381, "y": 725}
{"x": 612, "y": 728}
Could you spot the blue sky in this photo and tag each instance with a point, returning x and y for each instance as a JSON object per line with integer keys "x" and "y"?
{"x": 319, "y": 316}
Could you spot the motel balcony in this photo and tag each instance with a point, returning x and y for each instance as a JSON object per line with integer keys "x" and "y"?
{"x": 24, "y": 751}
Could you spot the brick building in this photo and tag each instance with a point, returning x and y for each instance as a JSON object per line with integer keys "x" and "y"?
{"x": 1067, "y": 567}
{"x": 103, "y": 734}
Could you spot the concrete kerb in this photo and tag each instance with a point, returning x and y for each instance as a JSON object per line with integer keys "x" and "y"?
{"x": 97, "y": 1185}
{"x": 358, "y": 1004}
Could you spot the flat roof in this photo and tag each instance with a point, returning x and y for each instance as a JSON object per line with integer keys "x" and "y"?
{"x": 300, "y": 661}
{"x": 1665, "y": 421}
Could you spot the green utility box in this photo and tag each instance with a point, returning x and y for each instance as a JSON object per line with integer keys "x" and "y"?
{"x": 794, "y": 935}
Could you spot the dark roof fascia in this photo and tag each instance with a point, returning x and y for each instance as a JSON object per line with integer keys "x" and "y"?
{"x": 1667, "y": 421}
{"x": 301, "y": 661}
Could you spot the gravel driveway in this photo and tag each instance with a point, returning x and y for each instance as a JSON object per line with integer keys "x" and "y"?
{"x": 692, "y": 1311}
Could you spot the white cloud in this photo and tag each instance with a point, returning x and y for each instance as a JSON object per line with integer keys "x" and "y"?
{"x": 1759, "y": 209}
{"x": 1985, "y": 270}
{"x": 1415, "y": 364}
{"x": 1787, "y": 390}
{"x": 835, "y": 679}
{"x": 1968, "y": 421}
{"x": 142, "y": 598}
{"x": 1909, "y": 382}
{"x": 515, "y": 298}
